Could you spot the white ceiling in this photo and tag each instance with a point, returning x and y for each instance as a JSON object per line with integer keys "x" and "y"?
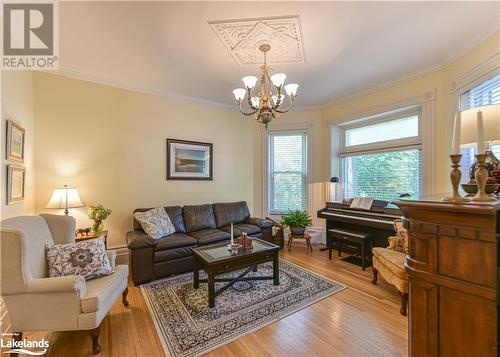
{"x": 169, "y": 47}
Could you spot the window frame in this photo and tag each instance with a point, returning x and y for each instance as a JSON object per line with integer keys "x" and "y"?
{"x": 425, "y": 100}
{"x": 303, "y": 127}
{"x": 378, "y": 119}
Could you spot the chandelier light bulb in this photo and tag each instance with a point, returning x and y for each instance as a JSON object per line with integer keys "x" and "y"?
{"x": 250, "y": 81}
{"x": 278, "y": 79}
{"x": 291, "y": 89}
{"x": 266, "y": 104}
{"x": 239, "y": 94}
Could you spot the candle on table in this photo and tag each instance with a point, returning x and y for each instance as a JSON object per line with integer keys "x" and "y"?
{"x": 480, "y": 133}
{"x": 455, "y": 144}
{"x": 232, "y": 239}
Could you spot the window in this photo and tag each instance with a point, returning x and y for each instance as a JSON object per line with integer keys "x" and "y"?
{"x": 287, "y": 171}
{"x": 381, "y": 156}
{"x": 485, "y": 93}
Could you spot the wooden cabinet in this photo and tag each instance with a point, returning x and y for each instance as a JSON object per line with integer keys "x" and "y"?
{"x": 452, "y": 270}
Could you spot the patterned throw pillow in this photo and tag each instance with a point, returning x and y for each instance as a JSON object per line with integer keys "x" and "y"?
{"x": 155, "y": 222}
{"x": 399, "y": 243}
{"x": 88, "y": 259}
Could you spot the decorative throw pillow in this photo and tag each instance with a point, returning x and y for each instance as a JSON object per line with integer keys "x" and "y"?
{"x": 399, "y": 243}
{"x": 88, "y": 259}
{"x": 155, "y": 222}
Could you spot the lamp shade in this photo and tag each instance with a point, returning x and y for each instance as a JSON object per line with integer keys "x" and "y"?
{"x": 491, "y": 121}
{"x": 66, "y": 197}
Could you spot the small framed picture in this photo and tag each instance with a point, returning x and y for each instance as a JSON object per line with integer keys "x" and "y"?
{"x": 189, "y": 160}
{"x": 15, "y": 141}
{"x": 15, "y": 184}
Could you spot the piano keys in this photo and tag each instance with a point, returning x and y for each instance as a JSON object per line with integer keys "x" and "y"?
{"x": 378, "y": 221}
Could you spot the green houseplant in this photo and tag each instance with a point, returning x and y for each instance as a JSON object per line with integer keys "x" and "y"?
{"x": 98, "y": 214}
{"x": 297, "y": 220}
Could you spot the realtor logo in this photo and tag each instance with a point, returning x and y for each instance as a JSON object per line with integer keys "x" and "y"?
{"x": 29, "y": 35}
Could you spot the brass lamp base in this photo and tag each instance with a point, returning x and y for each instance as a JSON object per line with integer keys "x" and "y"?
{"x": 455, "y": 176}
{"x": 481, "y": 178}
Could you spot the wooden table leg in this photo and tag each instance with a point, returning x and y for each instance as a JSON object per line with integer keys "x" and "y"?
{"x": 211, "y": 288}
{"x": 196, "y": 274}
{"x": 276, "y": 269}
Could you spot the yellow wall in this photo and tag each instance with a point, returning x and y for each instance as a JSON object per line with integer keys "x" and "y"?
{"x": 17, "y": 105}
{"x": 439, "y": 80}
{"x": 111, "y": 144}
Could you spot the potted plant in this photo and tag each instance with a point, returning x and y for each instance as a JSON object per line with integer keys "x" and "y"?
{"x": 98, "y": 214}
{"x": 298, "y": 221}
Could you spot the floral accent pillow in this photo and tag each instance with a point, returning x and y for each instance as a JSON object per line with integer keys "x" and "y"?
{"x": 88, "y": 259}
{"x": 399, "y": 243}
{"x": 155, "y": 222}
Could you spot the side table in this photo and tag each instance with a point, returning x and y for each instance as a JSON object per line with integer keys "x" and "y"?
{"x": 306, "y": 236}
{"x": 92, "y": 235}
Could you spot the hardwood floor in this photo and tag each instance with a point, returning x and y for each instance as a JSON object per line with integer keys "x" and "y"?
{"x": 362, "y": 320}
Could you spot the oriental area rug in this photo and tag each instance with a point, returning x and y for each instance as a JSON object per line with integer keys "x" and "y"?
{"x": 187, "y": 327}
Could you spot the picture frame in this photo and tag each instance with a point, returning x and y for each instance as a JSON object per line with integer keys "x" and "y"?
{"x": 15, "y": 141}
{"x": 189, "y": 160}
{"x": 16, "y": 177}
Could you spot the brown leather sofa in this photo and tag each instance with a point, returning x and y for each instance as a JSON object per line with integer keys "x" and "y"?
{"x": 199, "y": 225}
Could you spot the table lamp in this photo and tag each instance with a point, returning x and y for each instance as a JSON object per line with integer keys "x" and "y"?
{"x": 66, "y": 197}
{"x": 478, "y": 125}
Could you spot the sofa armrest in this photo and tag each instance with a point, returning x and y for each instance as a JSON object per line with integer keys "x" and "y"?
{"x": 259, "y": 222}
{"x": 58, "y": 284}
{"x": 112, "y": 257}
{"x": 139, "y": 239}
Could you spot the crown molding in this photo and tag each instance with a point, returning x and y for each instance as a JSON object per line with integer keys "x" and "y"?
{"x": 134, "y": 87}
{"x": 409, "y": 77}
{"x": 486, "y": 32}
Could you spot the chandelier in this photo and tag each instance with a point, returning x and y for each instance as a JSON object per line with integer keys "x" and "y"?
{"x": 268, "y": 103}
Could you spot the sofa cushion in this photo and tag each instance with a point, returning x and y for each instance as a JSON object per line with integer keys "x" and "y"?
{"x": 99, "y": 291}
{"x": 176, "y": 240}
{"x": 208, "y": 236}
{"x": 198, "y": 217}
{"x": 172, "y": 254}
{"x": 239, "y": 228}
{"x": 175, "y": 214}
{"x": 225, "y": 213}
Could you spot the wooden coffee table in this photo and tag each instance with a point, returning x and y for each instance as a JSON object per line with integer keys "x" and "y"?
{"x": 217, "y": 259}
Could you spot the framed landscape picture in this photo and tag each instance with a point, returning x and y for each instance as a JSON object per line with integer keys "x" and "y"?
{"x": 15, "y": 141}
{"x": 15, "y": 184}
{"x": 189, "y": 160}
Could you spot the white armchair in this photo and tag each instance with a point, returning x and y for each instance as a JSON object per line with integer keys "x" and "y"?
{"x": 36, "y": 302}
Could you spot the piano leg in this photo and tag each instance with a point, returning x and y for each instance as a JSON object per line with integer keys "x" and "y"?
{"x": 363, "y": 251}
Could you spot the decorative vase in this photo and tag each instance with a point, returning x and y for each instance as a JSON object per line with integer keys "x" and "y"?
{"x": 97, "y": 227}
{"x": 298, "y": 231}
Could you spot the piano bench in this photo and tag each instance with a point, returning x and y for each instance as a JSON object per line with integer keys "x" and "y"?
{"x": 362, "y": 239}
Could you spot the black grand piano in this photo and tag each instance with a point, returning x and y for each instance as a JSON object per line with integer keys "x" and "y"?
{"x": 378, "y": 221}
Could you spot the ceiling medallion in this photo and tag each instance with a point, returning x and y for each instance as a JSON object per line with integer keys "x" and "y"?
{"x": 243, "y": 37}
{"x": 268, "y": 103}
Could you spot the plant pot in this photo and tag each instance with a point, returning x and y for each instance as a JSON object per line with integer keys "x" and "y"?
{"x": 97, "y": 227}
{"x": 298, "y": 231}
